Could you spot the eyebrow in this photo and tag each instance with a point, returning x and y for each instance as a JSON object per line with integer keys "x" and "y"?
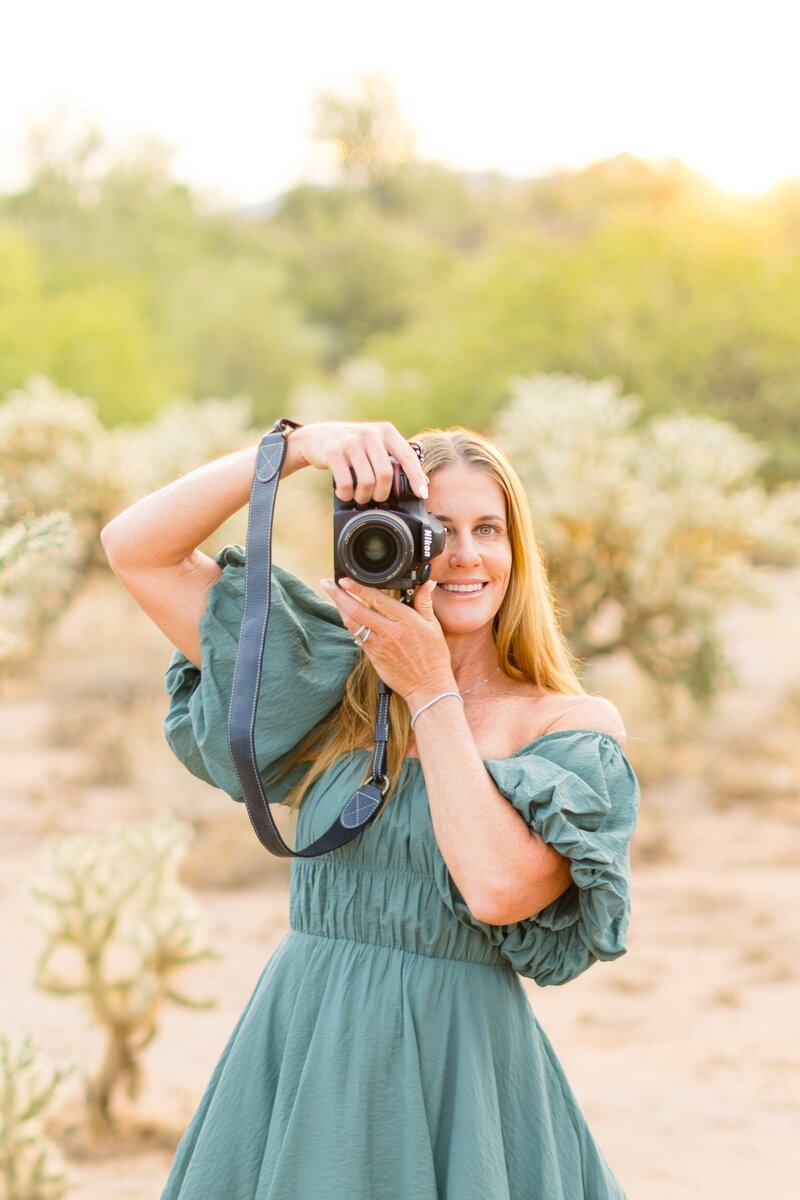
{"x": 485, "y": 517}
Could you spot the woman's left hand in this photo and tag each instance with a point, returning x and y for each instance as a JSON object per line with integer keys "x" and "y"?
{"x": 407, "y": 646}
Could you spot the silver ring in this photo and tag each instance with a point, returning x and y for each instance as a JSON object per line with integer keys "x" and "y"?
{"x": 357, "y": 638}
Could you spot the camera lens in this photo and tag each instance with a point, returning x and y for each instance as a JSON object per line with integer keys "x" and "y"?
{"x": 376, "y": 548}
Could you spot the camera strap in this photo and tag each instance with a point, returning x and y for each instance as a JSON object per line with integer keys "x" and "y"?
{"x": 367, "y": 799}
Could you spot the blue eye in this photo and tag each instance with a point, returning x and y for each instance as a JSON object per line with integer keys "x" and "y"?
{"x": 489, "y": 527}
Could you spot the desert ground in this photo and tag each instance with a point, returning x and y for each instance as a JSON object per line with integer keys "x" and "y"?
{"x": 684, "y": 1053}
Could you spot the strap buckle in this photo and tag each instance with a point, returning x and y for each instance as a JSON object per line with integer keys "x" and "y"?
{"x": 284, "y": 426}
{"x": 384, "y": 785}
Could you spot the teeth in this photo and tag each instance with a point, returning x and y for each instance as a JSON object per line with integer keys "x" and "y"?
{"x": 462, "y": 587}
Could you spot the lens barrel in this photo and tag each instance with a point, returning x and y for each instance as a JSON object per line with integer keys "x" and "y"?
{"x": 375, "y": 548}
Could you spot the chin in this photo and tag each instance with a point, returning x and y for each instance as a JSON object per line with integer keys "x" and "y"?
{"x": 465, "y": 624}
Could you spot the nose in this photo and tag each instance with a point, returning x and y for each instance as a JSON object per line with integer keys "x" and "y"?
{"x": 464, "y": 551}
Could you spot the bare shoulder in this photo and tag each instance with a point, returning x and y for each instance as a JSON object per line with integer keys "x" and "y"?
{"x": 589, "y": 712}
{"x": 530, "y": 711}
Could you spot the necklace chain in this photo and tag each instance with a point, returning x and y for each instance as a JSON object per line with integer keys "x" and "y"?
{"x": 482, "y": 682}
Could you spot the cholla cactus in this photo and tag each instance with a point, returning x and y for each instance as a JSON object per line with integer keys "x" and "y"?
{"x": 114, "y": 904}
{"x": 53, "y": 459}
{"x": 55, "y": 455}
{"x": 649, "y": 529}
{"x": 30, "y": 1165}
{"x": 181, "y": 437}
{"x": 22, "y": 544}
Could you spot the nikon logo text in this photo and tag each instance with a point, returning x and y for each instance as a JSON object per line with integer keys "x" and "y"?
{"x": 427, "y": 538}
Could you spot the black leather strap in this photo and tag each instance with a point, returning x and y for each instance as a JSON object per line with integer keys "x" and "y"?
{"x": 368, "y": 798}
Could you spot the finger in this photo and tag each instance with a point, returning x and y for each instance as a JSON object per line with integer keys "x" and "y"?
{"x": 382, "y": 468}
{"x": 352, "y": 610}
{"x": 342, "y": 475}
{"x": 373, "y": 599}
{"x": 423, "y": 600}
{"x": 365, "y": 476}
{"x": 397, "y": 445}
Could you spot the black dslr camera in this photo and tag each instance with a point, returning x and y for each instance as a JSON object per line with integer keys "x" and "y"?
{"x": 386, "y": 544}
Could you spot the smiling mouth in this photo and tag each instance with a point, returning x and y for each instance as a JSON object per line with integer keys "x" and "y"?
{"x": 473, "y": 592}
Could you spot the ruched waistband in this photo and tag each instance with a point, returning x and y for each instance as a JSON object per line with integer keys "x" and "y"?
{"x": 328, "y": 937}
{"x": 379, "y": 906}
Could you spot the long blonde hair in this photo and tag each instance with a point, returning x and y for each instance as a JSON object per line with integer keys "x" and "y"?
{"x": 530, "y": 645}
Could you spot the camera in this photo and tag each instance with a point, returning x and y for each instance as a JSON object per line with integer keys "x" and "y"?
{"x": 386, "y": 544}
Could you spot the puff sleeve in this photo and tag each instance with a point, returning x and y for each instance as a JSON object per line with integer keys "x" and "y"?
{"x": 307, "y": 659}
{"x": 578, "y": 791}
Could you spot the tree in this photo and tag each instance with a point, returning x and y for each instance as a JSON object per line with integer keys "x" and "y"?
{"x": 366, "y": 128}
{"x": 689, "y": 303}
{"x": 231, "y": 319}
{"x": 355, "y": 270}
{"x": 91, "y": 335}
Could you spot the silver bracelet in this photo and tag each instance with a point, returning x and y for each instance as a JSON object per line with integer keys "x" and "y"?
{"x": 433, "y": 701}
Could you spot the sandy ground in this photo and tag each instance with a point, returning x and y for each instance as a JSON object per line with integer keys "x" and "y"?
{"x": 684, "y": 1054}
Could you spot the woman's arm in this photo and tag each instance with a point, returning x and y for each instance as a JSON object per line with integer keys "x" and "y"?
{"x": 504, "y": 870}
{"x": 152, "y": 545}
{"x": 161, "y": 529}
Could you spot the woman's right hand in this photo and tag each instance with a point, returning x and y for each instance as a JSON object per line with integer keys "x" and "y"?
{"x": 360, "y": 450}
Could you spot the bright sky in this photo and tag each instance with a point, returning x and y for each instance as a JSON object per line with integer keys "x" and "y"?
{"x": 513, "y": 85}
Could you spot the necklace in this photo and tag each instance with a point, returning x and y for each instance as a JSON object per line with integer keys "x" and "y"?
{"x": 482, "y": 682}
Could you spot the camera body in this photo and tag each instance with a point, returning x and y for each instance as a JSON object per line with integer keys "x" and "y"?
{"x": 386, "y": 544}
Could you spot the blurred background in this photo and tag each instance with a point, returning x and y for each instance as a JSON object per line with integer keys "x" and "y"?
{"x": 577, "y": 231}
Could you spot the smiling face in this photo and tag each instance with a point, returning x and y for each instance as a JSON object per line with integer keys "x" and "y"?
{"x": 472, "y": 507}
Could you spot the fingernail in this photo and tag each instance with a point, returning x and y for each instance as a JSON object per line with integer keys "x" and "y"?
{"x": 423, "y": 491}
{"x": 327, "y": 584}
{"x": 344, "y": 582}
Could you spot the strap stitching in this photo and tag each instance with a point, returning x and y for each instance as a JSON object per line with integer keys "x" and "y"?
{"x": 369, "y": 807}
{"x": 253, "y": 761}
{"x": 271, "y": 457}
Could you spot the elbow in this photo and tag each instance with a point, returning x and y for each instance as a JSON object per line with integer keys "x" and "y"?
{"x": 490, "y": 909}
{"x": 107, "y": 539}
{"x": 484, "y": 914}
{"x": 110, "y": 541}
{"x": 504, "y": 910}
{"x": 526, "y": 900}
{"x": 107, "y": 535}
{"x": 118, "y": 549}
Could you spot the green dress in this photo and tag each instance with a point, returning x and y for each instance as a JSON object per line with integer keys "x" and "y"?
{"x": 388, "y": 1050}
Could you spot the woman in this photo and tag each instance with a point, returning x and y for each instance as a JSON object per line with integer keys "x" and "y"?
{"x": 388, "y": 1050}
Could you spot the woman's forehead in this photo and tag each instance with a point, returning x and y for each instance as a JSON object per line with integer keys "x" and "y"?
{"x": 465, "y": 491}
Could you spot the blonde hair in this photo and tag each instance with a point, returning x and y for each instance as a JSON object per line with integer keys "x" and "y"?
{"x": 529, "y": 641}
